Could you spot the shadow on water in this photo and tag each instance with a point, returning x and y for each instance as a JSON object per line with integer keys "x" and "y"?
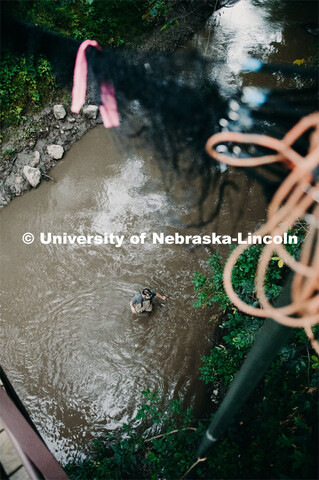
{"x": 75, "y": 353}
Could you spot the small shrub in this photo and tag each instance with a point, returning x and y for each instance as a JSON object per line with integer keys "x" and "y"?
{"x": 25, "y": 86}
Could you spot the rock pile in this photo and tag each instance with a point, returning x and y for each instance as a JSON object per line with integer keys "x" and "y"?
{"x": 38, "y": 145}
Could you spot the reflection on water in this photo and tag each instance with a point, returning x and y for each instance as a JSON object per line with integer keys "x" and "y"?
{"x": 75, "y": 353}
{"x": 267, "y": 29}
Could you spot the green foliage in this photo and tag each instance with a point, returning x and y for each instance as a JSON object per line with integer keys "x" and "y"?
{"x": 285, "y": 416}
{"x": 237, "y": 330}
{"x": 224, "y": 360}
{"x": 315, "y": 364}
{"x": 282, "y": 414}
{"x": 7, "y": 154}
{"x": 110, "y": 22}
{"x": 25, "y": 85}
{"x": 157, "y": 9}
{"x": 210, "y": 287}
{"x": 132, "y": 454}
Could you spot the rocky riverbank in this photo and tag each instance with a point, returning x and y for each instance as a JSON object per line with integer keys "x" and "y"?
{"x": 38, "y": 145}
{"x": 31, "y": 150}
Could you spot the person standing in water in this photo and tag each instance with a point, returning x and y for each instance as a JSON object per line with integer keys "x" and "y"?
{"x": 142, "y": 302}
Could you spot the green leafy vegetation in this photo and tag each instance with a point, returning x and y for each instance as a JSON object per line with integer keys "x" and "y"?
{"x": 237, "y": 330}
{"x": 158, "y": 12}
{"x": 138, "y": 453}
{"x": 25, "y": 84}
{"x": 224, "y": 360}
{"x": 282, "y": 415}
{"x": 210, "y": 289}
{"x": 111, "y": 22}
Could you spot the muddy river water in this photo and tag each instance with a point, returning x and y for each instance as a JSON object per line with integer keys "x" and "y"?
{"x": 76, "y": 355}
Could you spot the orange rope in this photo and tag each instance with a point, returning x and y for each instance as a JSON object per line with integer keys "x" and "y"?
{"x": 297, "y": 195}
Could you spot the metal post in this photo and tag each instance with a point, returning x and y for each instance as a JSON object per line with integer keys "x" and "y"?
{"x": 271, "y": 337}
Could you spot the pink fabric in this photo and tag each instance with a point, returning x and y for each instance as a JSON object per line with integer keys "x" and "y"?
{"x": 108, "y": 109}
{"x": 80, "y": 75}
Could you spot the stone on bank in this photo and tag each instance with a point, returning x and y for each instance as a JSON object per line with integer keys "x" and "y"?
{"x": 55, "y": 151}
{"x": 90, "y": 111}
{"x": 59, "y": 112}
{"x": 33, "y": 175}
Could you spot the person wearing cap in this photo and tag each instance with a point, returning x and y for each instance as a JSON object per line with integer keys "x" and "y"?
{"x": 142, "y": 302}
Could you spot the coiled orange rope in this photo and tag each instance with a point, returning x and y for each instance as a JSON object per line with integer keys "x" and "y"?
{"x": 297, "y": 198}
